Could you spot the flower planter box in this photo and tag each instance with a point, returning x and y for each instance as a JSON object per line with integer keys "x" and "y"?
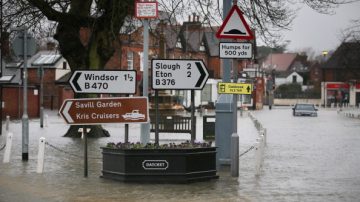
{"x": 159, "y": 165}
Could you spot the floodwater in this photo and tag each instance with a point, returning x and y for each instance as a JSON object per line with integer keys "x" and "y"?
{"x": 306, "y": 159}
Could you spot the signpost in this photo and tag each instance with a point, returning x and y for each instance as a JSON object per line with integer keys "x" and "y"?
{"x": 235, "y": 88}
{"x": 233, "y": 27}
{"x": 24, "y": 46}
{"x": 87, "y": 81}
{"x": 235, "y": 50}
{"x": 105, "y": 110}
{"x": 179, "y": 74}
{"x": 146, "y": 9}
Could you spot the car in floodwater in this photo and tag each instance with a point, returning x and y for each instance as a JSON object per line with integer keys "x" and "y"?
{"x": 304, "y": 110}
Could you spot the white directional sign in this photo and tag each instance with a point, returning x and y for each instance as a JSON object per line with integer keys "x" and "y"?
{"x": 235, "y": 50}
{"x": 88, "y": 81}
{"x": 179, "y": 74}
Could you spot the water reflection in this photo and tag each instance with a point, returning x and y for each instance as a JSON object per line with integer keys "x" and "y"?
{"x": 319, "y": 162}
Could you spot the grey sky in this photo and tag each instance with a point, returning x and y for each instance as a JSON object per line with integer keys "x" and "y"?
{"x": 319, "y": 31}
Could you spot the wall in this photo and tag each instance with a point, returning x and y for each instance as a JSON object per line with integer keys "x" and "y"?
{"x": 64, "y": 92}
{"x": 13, "y": 102}
{"x": 50, "y": 95}
{"x": 288, "y": 102}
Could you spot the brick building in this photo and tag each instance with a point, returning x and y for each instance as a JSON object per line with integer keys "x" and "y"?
{"x": 53, "y": 67}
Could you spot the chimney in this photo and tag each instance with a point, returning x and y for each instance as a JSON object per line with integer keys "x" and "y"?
{"x": 5, "y": 44}
{"x": 50, "y": 46}
{"x": 194, "y": 15}
{"x": 198, "y": 18}
{"x": 189, "y": 18}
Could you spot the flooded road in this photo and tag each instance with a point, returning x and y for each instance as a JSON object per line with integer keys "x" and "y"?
{"x": 306, "y": 159}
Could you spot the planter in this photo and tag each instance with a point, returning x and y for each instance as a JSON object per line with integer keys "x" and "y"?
{"x": 159, "y": 165}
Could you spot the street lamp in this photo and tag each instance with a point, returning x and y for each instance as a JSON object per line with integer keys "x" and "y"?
{"x": 24, "y": 45}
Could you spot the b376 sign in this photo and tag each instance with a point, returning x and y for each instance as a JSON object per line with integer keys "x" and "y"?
{"x": 179, "y": 74}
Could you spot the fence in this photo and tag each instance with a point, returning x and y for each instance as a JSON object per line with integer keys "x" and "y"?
{"x": 261, "y": 142}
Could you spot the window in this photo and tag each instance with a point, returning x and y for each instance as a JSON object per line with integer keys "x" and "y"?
{"x": 178, "y": 43}
{"x": 294, "y": 77}
{"x": 202, "y": 46}
{"x": 206, "y": 93}
{"x": 130, "y": 59}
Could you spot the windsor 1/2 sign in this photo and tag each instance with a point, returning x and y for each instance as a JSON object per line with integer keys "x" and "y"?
{"x": 179, "y": 74}
{"x": 105, "y": 110}
{"x": 89, "y": 81}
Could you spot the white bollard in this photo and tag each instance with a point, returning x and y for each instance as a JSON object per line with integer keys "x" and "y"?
{"x": 257, "y": 157}
{"x": 263, "y": 133}
{"x": 8, "y": 148}
{"x": 80, "y": 130}
{"x": 46, "y": 117}
{"x": 7, "y": 123}
{"x": 41, "y": 155}
{"x": 262, "y": 138}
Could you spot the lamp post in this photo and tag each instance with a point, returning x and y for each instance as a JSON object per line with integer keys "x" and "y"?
{"x": 24, "y": 45}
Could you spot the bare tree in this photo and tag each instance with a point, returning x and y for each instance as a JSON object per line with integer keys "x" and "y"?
{"x": 101, "y": 21}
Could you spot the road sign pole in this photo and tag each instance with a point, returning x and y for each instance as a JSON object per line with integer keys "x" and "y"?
{"x": 41, "y": 97}
{"x": 157, "y": 117}
{"x": 145, "y": 128}
{"x": 25, "y": 117}
{"x": 193, "y": 127}
{"x": 235, "y": 137}
{"x": 85, "y": 152}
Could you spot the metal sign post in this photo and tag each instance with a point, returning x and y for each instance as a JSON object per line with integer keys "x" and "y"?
{"x": 145, "y": 128}
{"x": 24, "y": 46}
{"x": 235, "y": 27}
{"x": 85, "y": 152}
{"x": 180, "y": 75}
{"x": 146, "y": 10}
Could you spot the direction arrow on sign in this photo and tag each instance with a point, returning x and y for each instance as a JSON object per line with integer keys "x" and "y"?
{"x": 179, "y": 74}
{"x": 105, "y": 110}
{"x": 89, "y": 81}
{"x": 234, "y": 88}
{"x": 235, "y": 26}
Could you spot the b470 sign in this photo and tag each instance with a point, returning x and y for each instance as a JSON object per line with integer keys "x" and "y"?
{"x": 88, "y": 81}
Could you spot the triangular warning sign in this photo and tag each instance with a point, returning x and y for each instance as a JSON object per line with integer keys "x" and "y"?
{"x": 235, "y": 26}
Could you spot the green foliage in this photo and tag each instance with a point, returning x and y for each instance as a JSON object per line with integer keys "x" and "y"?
{"x": 289, "y": 88}
{"x": 294, "y": 91}
{"x": 138, "y": 145}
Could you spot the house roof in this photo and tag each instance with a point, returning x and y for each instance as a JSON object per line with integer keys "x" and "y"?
{"x": 286, "y": 74}
{"x": 279, "y": 61}
{"x": 212, "y": 43}
{"x": 64, "y": 79}
{"x": 46, "y": 59}
{"x": 171, "y": 34}
{"x": 347, "y": 55}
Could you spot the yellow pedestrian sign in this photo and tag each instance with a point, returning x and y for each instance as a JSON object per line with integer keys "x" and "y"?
{"x": 234, "y": 88}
